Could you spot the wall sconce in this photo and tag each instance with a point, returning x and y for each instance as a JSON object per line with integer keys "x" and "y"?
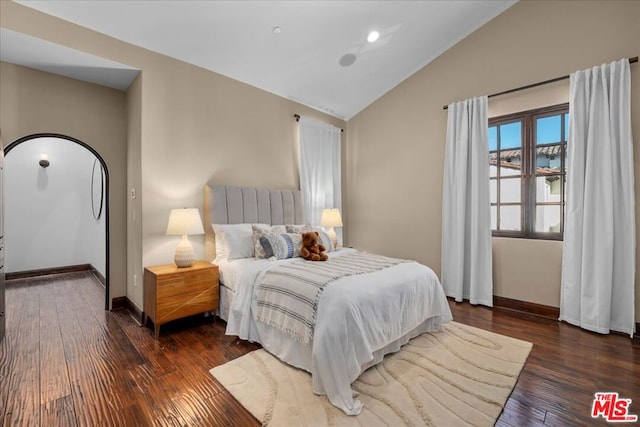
{"x": 44, "y": 160}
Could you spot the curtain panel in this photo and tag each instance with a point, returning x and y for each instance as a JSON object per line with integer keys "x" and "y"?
{"x": 598, "y": 260}
{"x": 320, "y": 176}
{"x": 466, "y": 216}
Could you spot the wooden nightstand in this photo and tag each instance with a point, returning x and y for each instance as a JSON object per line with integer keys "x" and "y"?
{"x": 172, "y": 293}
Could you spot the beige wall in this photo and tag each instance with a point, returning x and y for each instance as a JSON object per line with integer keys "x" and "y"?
{"x": 134, "y": 183}
{"x": 186, "y": 126}
{"x": 396, "y": 146}
{"x": 198, "y": 125}
{"x": 35, "y": 102}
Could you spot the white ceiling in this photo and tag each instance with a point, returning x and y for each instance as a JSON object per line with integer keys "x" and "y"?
{"x": 21, "y": 49}
{"x": 235, "y": 38}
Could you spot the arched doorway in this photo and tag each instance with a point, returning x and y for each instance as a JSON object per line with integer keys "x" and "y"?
{"x": 97, "y": 208}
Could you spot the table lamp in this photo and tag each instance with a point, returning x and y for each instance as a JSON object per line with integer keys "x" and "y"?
{"x": 331, "y": 218}
{"x": 184, "y": 222}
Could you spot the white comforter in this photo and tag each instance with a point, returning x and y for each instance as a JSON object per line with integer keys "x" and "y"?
{"x": 359, "y": 319}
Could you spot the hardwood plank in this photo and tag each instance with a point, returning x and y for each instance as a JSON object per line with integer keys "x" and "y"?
{"x": 97, "y": 400}
{"x": 135, "y": 416}
{"x": 100, "y": 386}
{"x": 517, "y": 413}
{"x": 58, "y": 413}
{"x": 23, "y": 403}
{"x": 73, "y": 341}
{"x": 9, "y": 372}
{"x": 152, "y": 351}
{"x": 155, "y": 398}
{"x": 54, "y": 379}
{"x": 566, "y": 419}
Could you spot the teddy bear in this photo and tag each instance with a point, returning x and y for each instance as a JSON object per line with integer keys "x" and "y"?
{"x": 311, "y": 249}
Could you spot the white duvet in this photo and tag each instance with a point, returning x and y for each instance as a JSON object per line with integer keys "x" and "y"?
{"x": 359, "y": 319}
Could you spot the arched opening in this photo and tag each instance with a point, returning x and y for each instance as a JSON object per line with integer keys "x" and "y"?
{"x": 98, "y": 208}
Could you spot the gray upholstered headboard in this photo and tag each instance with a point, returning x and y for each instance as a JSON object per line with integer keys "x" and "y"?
{"x": 238, "y": 205}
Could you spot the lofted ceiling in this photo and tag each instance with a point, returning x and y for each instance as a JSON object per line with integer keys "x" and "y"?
{"x": 21, "y": 49}
{"x": 306, "y": 61}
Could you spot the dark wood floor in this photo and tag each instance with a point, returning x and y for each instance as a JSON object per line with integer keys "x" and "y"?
{"x": 65, "y": 361}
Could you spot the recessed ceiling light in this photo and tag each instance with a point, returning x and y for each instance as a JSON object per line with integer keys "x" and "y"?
{"x": 373, "y": 36}
{"x": 276, "y": 30}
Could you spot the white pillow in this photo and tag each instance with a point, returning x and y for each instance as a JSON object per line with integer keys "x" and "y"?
{"x": 260, "y": 230}
{"x": 233, "y": 241}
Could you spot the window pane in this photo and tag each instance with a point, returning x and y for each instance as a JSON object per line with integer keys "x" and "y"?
{"x": 493, "y": 170}
{"x": 548, "y": 188}
{"x": 548, "y": 159}
{"x": 493, "y": 138}
{"x": 494, "y": 217}
{"x": 548, "y": 218}
{"x": 493, "y": 190}
{"x": 510, "y": 190}
{"x": 510, "y": 162}
{"x": 510, "y": 218}
{"x": 566, "y": 157}
{"x": 566, "y": 127}
{"x": 511, "y": 135}
{"x": 493, "y": 164}
{"x": 548, "y": 129}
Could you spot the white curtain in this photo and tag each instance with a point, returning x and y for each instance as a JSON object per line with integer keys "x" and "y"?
{"x": 320, "y": 178}
{"x": 598, "y": 259}
{"x": 466, "y": 209}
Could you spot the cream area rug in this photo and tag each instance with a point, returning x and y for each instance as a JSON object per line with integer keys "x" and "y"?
{"x": 461, "y": 376}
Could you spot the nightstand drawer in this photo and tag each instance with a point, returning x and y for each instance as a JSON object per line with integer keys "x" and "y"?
{"x": 180, "y": 284}
{"x": 187, "y": 304}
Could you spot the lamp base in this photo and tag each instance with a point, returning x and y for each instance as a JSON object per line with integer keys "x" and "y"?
{"x": 333, "y": 236}
{"x": 184, "y": 257}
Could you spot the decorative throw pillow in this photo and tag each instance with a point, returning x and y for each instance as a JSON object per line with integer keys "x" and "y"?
{"x": 298, "y": 228}
{"x": 281, "y": 246}
{"x": 260, "y": 230}
{"x": 233, "y": 241}
{"x": 324, "y": 239}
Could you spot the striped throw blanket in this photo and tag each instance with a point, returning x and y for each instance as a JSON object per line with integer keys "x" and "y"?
{"x": 288, "y": 294}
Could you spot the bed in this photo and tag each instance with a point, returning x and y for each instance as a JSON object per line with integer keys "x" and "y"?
{"x": 358, "y": 318}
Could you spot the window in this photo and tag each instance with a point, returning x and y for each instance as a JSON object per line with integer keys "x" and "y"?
{"x": 527, "y": 172}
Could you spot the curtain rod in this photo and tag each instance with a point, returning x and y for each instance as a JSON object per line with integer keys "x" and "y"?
{"x": 297, "y": 117}
{"x": 557, "y": 79}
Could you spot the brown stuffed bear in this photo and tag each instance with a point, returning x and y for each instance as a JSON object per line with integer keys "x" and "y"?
{"x": 311, "y": 249}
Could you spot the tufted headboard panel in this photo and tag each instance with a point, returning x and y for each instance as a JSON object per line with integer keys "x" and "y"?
{"x": 237, "y": 205}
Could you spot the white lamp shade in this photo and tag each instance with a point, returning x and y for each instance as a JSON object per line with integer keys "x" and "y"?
{"x": 185, "y": 221}
{"x": 331, "y": 218}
